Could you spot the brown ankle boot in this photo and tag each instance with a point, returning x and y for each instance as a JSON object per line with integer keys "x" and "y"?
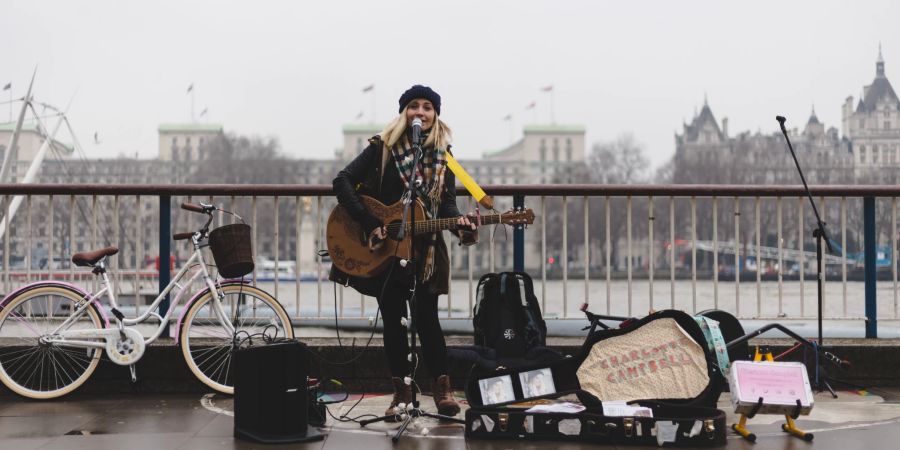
{"x": 402, "y": 394}
{"x": 443, "y": 397}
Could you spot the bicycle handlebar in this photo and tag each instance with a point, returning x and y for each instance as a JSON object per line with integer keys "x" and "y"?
{"x": 193, "y": 208}
{"x": 182, "y": 236}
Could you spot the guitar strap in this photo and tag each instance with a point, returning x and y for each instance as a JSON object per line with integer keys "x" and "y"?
{"x": 474, "y": 189}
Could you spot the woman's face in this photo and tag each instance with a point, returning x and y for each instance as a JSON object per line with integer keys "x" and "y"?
{"x": 423, "y": 109}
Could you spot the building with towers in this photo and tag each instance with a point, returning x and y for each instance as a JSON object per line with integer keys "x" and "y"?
{"x": 866, "y": 150}
{"x": 872, "y": 126}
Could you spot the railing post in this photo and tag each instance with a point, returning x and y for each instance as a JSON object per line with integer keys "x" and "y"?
{"x": 165, "y": 251}
{"x": 870, "y": 253}
{"x": 519, "y": 237}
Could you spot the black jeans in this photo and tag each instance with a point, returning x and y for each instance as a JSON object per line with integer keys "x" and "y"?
{"x": 396, "y": 342}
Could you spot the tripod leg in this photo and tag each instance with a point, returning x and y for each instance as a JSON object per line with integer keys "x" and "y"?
{"x": 402, "y": 428}
{"x": 830, "y": 389}
{"x": 846, "y": 383}
{"x": 387, "y": 418}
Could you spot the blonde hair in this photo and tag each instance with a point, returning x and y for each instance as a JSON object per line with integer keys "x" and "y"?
{"x": 439, "y": 136}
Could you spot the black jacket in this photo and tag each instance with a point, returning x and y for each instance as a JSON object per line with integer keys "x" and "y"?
{"x": 362, "y": 176}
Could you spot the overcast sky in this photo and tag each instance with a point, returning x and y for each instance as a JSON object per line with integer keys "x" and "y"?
{"x": 296, "y": 69}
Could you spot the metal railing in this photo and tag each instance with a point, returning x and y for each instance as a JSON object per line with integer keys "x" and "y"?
{"x": 633, "y": 249}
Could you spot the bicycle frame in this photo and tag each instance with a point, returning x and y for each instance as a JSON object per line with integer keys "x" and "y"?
{"x": 196, "y": 258}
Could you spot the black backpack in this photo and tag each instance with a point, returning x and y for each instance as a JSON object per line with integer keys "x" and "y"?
{"x": 507, "y": 317}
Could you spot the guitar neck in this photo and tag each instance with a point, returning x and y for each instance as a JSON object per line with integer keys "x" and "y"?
{"x": 434, "y": 225}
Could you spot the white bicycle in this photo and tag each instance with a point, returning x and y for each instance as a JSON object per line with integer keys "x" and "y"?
{"x": 52, "y": 333}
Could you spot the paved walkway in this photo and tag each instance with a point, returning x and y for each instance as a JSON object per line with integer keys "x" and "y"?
{"x": 855, "y": 420}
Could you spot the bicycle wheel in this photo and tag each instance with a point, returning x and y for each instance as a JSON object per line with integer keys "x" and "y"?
{"x": 40, "y": 370}
{"x": 205, "y": 343}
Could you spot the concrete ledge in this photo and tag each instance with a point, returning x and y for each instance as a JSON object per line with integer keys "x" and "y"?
{"x": 874, "y": 362}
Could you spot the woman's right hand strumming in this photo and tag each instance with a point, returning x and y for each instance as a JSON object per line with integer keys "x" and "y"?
{"x": 376, "y": 238}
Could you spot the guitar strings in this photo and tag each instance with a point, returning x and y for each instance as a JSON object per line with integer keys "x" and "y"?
{"x": 438, "y": 224}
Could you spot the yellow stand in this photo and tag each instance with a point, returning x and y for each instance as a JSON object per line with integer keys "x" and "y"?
{"x": 788, "y": 427}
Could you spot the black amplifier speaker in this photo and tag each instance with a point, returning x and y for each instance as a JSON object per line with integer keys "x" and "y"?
{"x": 271, "y": 399}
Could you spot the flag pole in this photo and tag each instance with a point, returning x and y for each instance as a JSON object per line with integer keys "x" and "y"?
{"x": 552, "y": 109}
{"x": 549, "y": 88}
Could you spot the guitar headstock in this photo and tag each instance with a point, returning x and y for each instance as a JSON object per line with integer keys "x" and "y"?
{"x": 518, "y": 217}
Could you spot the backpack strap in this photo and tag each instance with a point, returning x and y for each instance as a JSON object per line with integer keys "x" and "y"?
{"x": 479, "y": 293}
{"x": 534, "y": 336}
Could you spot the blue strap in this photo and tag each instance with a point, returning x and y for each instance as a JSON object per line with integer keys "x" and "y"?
{"x": 715, "y": 342}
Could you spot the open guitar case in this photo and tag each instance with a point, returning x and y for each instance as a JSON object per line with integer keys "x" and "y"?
{"x": 684, "y": 415}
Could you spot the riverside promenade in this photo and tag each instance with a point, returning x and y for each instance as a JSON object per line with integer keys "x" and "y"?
{"x": 855, "y": 420}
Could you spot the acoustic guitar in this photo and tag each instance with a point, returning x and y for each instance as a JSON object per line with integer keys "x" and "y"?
{"x": 347, "y": 241}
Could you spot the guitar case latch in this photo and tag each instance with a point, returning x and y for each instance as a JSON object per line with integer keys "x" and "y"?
{"x": 628, "y": 424}
{"x": 710, "y": 426}
{"x": 503, "y": 419}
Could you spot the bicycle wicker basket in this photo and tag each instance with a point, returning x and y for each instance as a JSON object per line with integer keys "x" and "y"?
{"x": 231, "y": 249}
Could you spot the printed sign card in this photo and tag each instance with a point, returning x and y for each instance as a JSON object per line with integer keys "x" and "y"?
{"x": 780, "y": 384}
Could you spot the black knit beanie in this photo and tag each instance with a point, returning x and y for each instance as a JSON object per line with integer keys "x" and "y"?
{"x": 419, "y": 91}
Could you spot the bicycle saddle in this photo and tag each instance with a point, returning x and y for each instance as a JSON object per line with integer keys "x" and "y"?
{"x": 88, "y": 259}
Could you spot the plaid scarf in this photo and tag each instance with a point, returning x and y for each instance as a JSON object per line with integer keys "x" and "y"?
{"x": 431, "y": 169}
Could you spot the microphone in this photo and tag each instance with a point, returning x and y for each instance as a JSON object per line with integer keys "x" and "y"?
{"x": 416, "y": 130}
{"x": 837, "y": 361}
{"x": 781, "y": 120}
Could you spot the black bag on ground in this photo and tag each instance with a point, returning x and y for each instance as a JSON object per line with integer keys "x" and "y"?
{"x": 507, "y": 316}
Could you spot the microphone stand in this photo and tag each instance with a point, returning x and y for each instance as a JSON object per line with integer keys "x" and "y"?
{"x": 820, "y": 235}
{"x": 415, "y": 411}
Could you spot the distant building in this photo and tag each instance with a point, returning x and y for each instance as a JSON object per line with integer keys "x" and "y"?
{"x": 187, "y": 141}
{"x": 30, "y": 141}
{"x": 356, "y": 139}
{"x": 545, "y": 154}
{"x": 873, "y": 126}
{"x": 868, "y": 151}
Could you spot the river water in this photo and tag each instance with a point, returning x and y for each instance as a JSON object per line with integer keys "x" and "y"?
{"x": 790, "y": 299}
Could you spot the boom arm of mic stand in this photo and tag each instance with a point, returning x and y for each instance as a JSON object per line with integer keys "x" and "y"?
{"x": 800, "y": 339}
{"x": 819, "y": 223}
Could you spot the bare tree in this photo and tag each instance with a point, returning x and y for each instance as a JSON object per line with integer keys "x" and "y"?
{"x": 621, "y": 161}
